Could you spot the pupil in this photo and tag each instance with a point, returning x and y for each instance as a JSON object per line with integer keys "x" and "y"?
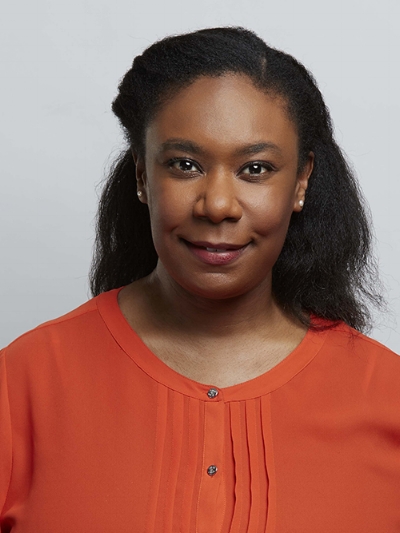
{"x": 186, "y": 165}
{"x": 256, "y": 169}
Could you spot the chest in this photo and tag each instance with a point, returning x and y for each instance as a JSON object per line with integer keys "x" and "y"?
{"x": 125, "y": 452}
{"x": 225, "y": 362}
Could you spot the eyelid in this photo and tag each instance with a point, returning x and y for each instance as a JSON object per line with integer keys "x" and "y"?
{"x": 269, "y": 167}
{"x": 178, "y": 159}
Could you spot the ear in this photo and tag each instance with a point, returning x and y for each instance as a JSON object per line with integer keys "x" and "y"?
{"x": 140, "y": 178}
{"x": 302, "y": 183}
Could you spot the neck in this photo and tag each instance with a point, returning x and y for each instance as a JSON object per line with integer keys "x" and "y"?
{"x": 178, "y": 309}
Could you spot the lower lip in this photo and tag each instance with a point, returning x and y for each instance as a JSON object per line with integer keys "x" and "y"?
{"x": 215, "y": 258}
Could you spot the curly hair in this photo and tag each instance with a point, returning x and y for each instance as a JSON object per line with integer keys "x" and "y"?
{"x": 326, "y": 267}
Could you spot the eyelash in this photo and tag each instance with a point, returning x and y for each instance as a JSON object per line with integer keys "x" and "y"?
{"x": 269, "y": 168}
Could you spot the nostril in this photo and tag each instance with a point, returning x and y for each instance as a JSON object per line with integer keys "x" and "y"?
{"x": 218, "y": 206}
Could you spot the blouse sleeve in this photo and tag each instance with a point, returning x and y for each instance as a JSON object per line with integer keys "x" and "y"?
{"x": 5, "y": 434}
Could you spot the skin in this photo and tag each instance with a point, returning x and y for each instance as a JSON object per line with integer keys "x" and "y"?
{"x": 217, "y": 324}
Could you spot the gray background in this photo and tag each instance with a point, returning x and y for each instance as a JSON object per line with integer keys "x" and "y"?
{"x": 60, "y": 65}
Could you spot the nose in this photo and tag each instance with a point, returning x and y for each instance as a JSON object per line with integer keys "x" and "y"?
{"x": 217, "y": 199}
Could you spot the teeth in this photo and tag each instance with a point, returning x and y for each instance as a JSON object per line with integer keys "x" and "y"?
{"x": 215, "y": 250}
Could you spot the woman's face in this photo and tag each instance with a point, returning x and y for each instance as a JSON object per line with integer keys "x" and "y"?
{"x": 221, "y": 181}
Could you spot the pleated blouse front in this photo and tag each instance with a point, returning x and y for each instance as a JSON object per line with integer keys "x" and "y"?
{"x": 104, "y": 436}
{"x": 213, "y": 466}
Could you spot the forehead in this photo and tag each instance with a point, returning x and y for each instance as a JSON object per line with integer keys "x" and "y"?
{"x": 226, "y": 112}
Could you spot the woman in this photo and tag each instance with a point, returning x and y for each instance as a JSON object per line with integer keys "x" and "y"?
{"x": 218, "y": 380}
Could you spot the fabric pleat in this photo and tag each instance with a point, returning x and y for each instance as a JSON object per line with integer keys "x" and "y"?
{"x": 159, "y": 463}
{"x": 190, "y": 463}
{"x": 269, "y": 461}
{"x": 258, "y": 472}
{"x": 176, "y": 460}
{"x": 239, "y": 461}
{"x": 191, "y": 437}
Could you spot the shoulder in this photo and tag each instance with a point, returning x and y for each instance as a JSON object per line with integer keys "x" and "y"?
{"x": 356, "y": 360}
{"x": 343, "y": 337}
{"x": 66, "y": 332}
{"x": 72, "y": 318}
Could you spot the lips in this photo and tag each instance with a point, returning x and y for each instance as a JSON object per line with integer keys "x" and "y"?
{"x": 220, "y": 253}
{"x": 223, "y": 246}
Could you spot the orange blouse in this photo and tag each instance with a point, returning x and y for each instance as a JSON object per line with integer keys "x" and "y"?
{"x": 98, "y": 435}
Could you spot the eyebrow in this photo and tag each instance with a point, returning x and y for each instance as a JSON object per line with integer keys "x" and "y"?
{"x": 193, "y": 148}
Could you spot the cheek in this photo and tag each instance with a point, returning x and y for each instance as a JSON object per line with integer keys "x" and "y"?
{"x": 169, "y": 207}
{"x": 271, "y": 212}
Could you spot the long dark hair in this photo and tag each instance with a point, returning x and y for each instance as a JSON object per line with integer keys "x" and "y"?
{"x": 326, "y": 267}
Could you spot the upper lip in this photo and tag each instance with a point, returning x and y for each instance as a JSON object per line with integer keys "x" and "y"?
{"x": 217, "y": 245}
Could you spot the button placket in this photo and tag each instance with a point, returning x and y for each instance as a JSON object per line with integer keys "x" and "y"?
{"x": 211, "y": 502}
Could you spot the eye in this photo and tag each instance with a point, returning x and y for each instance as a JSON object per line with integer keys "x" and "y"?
{"x": 184, "y": 165}
{"x": 257, "y": 169}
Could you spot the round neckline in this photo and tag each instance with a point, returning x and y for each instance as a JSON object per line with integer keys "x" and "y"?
{"x": 130, "y": 342}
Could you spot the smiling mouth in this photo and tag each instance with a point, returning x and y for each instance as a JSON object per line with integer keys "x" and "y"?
{"x": 215, "y": 253}
{"x": 216, "y": 247}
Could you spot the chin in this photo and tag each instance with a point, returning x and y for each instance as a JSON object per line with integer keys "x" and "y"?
{"x": 215, "y": 287}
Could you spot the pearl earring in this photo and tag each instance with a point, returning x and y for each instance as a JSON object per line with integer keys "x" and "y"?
{"x": 139, "y": 193}
{"x": 301, "y": 203}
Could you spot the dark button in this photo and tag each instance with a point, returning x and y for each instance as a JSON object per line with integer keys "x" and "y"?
{"x": 212, "y": 393}
{"x": 212, "y": 470}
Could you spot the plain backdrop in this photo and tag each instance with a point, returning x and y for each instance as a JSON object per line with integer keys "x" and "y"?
{"x": 61, "y": 62}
